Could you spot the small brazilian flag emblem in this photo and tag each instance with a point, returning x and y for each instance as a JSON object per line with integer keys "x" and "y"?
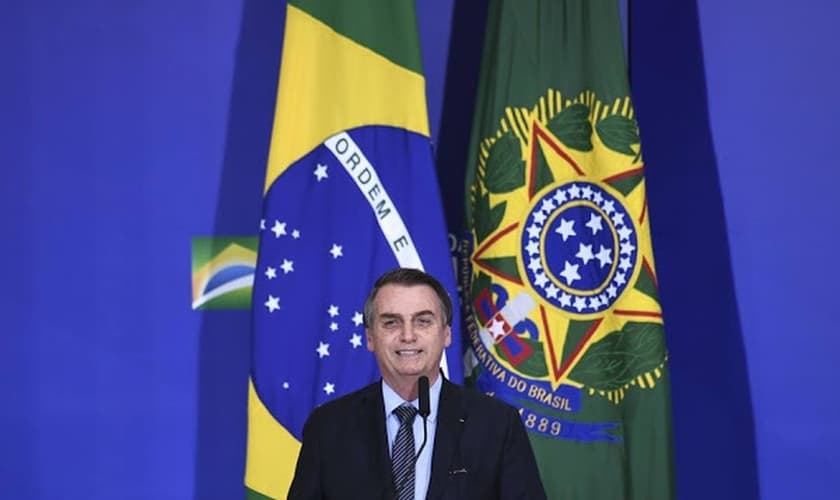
{"x": 223, "y": 271}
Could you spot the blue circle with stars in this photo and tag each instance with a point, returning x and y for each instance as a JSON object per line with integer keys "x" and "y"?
{"x": 579, "y": 247}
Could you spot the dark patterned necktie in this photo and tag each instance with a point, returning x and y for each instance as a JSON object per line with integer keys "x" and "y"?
{"x": 402, "y": 455}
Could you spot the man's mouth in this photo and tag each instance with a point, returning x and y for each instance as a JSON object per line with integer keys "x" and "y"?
{"x": 408, "y": 352}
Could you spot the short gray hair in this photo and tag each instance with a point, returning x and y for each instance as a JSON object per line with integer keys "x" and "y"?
{"x": 408, "y": 277}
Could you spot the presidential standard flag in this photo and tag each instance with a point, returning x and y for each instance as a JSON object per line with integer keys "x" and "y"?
{"x": 350, "y": 193}
{"x": 565, "y": 321}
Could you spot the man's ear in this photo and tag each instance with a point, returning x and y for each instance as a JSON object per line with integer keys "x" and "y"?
{"x": 369, "y": 338}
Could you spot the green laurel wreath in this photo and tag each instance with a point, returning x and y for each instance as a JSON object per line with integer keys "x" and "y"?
{"x": 505, "y": 169}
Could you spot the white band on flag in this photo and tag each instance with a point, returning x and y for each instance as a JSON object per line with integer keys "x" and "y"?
{"x": 367, "y": 180}
{"x": 354, "y": 161}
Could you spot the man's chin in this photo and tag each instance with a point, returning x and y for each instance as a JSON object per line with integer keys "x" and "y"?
{"x": 411, "y": 371}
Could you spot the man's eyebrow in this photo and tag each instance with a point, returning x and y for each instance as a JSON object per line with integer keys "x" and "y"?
{"x": 425, "y": 312}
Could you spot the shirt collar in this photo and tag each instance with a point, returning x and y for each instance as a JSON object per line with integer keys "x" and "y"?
{"x": 392, "y": 399}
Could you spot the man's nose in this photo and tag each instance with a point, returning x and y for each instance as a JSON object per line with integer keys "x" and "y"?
{"x": 407, "y": 333}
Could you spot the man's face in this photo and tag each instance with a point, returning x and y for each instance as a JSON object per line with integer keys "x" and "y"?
{"x": 408, "y": 333}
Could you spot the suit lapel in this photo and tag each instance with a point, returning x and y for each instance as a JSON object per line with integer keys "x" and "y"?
{"x": 447, "y": 438}
{"x": 372, "y": 425}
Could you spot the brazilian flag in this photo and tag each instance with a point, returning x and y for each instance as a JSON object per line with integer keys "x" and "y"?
{"x": 350, "y": 193}
{"x": 564, "y": 319}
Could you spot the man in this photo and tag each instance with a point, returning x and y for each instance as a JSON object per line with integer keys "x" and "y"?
{"x": 363, "y": 446}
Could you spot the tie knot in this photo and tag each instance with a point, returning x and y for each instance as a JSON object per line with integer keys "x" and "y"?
{"x": 405, "y": 413}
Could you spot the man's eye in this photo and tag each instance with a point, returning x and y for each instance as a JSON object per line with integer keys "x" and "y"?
{"x": 424, "y": 322}
{"x": 390, "y": 323}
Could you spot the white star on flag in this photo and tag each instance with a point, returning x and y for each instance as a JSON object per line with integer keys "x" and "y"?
{"x": 295, "y": 234}
{"x": 333, "y": 326}
{"x": 358, "y": 319}
{"x": 329, "y": 388}
{"x": 273, "y": 303}
{"x": 323, "y": 349}
{"x": 262, "y": 224}
{"x": 565, "y": 299}
{"x": 356, "y": 340}
{"x": 288, "y": 266}
{"x": 533, "y": 247}
{"x": 333, "y": 311}
{"x": 625, "y": 264}
{"x": 279, "y": 228}
{"x": 585, "y": 253}
{"x": 570, "y": 272}
{"x": 496, "y": 328}
{"x": 270, "y": 272}
{"x": 336, "y": 251}
{"x": 320, "y": 172}
{"x": 604, "y": 256}
{"x": 547, "y": 205}
{"x": 566, "y": 229}
{"x": 624, "y": 233}
{"x": 594, "y": 223}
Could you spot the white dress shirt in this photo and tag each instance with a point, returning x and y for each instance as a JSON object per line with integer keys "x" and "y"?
{"x": 423, "y": 468}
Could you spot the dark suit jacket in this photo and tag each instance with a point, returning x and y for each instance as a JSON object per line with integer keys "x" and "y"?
{"x": 480, "y": 451}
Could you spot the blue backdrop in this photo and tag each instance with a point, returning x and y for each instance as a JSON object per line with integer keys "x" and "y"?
{"x": 126, "y": 128}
